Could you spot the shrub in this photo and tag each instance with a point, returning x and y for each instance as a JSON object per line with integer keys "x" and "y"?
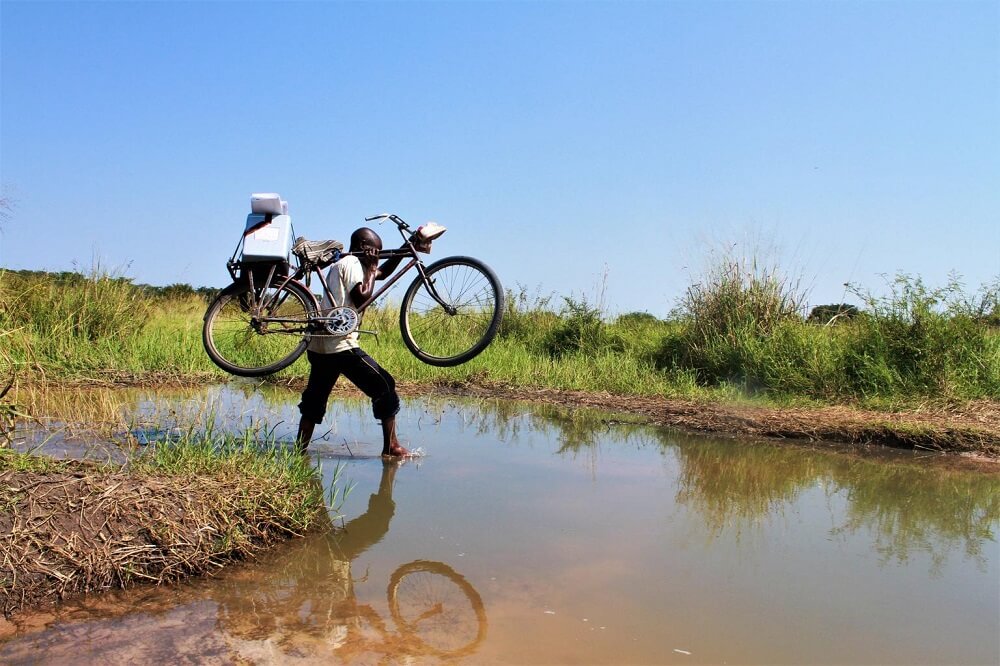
{"x": 639, "y": 334}
{"x": 527, "y": 317}
{"x": 580, "y": 329}
{"x": 925, "y": 341}
{"x": 728, "y": 318}
{"x": 834, "y": 313}
{"x": 636, "y": 319}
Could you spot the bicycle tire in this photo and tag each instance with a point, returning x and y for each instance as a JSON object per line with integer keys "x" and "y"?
{"x": 243, "y": 346}
{"x": 438, "y": 338}
{"x": 430, "y": 582}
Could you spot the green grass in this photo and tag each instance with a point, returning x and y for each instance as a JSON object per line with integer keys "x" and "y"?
{"x": 273, "y": 481}
{"x": 739, "y": 332}
{"x": 294, "y": 490}
{"x": 15, "y": 461}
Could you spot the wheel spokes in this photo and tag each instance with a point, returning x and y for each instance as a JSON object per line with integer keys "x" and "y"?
{"x": 250, "y": 341}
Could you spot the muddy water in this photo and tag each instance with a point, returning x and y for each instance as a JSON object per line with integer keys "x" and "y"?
{"x": 538, "y": 535}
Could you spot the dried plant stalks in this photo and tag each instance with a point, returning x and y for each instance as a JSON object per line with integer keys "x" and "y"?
{"x": 85, "y": 529}
{"x": 8, "y": 414}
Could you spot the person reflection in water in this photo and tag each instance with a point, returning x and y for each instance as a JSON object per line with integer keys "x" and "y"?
{"x": 307, "y": 605}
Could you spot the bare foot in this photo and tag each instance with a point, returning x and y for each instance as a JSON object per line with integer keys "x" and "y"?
{"x": 395, "y": 451}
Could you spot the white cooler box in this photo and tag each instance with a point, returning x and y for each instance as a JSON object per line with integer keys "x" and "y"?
{"x": 271, "y": 242}
{"x": 268, "y": 202}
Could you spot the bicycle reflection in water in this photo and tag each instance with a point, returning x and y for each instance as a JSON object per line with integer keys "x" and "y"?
{"x": 305, "y": 606}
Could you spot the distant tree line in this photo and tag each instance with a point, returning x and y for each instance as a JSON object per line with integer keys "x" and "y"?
{"x": 170, "y": 291}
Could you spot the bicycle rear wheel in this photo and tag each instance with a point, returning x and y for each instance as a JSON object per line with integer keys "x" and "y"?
{"x": 455, "y": 316}
{"x": 252, "y": 335}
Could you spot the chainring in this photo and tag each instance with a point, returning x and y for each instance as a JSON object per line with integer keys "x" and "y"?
{"x": 342, "y": 321}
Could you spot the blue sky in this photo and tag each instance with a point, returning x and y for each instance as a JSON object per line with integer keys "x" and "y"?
{"x": 569, "y": 145}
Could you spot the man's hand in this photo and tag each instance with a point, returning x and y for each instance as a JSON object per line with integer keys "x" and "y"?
{"x": 420, "y": 244}
{"x": 369, "y": 258}
{"x": 362, "y": 291}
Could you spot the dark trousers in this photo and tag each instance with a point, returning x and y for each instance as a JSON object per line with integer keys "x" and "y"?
{"x": 361, "y": 369}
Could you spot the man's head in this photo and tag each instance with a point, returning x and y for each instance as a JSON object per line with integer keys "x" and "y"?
{"x": 365, "y": 237}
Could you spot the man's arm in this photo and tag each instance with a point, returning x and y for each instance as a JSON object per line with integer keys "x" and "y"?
{"x": 369, "y": 262}
{"x": 387, "y": 268}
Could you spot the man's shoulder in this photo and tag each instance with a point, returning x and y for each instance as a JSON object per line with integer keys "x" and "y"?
{"x": 350, "y": 270}
{"x": 349, "y": 264}
{"x": 346, "y": 265}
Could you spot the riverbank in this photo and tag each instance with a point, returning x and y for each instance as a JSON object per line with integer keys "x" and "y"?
{"x": 972, "y": 429}
{"x": 70, "y": 527}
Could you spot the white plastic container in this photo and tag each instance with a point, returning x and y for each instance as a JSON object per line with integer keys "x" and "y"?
{"x": 268, "y": 202}
{"x": 270, "y": 242}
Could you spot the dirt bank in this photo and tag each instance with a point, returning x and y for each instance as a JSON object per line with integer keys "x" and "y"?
{"x": 82, "y": 528}
{"x": 973, "y": 428}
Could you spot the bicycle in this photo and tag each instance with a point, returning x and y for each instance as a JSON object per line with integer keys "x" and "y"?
{"x": 434, "y": 611}
{"x": 264, "y": 320}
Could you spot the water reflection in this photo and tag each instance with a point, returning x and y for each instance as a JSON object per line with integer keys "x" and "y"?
{"x": 911, "y": 510}
{"x": 305, "y": 602}
{"x": 575, "y": 429}
{"x": 906, "y": 504}
{"x": 300, "y": 602}
{"x": 904, "y": 507}
{"x": 732, "y": 487}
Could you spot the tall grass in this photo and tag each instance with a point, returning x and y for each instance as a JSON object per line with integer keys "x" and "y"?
{"x": 920, "y": 340}
{"x": 730, "y": 317}
{"x": 72, "y": 305}
{"x": 66, "y": 324}
{"x": 56, "y": 317}
{"x": 738, "y": 330}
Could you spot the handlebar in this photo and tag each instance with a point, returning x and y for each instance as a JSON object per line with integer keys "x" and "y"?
{"x": 398, "y": 221}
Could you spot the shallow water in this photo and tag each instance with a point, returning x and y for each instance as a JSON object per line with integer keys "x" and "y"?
{"x": 542, "y": 535}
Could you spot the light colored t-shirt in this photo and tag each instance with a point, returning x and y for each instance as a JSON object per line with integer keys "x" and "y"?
{"x": 340, "y": 279}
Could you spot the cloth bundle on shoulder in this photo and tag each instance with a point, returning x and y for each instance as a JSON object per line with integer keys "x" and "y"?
{"x": 320, "y": 253}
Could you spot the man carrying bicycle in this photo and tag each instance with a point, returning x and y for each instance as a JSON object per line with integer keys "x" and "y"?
{"x": 351, "y": 282}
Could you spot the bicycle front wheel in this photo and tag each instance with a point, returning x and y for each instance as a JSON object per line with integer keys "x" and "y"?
{"x": 454, "y": 314}
{"x": 437, "y": 607}
{"x": 256, "y": 334}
